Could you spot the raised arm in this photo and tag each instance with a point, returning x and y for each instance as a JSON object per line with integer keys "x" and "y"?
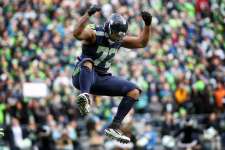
{"x": 142, "y": 39}
{"x": 80, "y": 33}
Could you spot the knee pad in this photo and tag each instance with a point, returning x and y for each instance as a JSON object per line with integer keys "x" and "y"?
{"x": 88, "y": 64}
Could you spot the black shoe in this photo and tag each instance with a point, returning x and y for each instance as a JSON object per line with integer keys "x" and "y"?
{"x": 84, "y": 102}
{"x": 117, "y": 135}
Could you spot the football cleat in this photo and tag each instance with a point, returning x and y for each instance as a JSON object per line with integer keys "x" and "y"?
{"x": 116, "y": 135}
{"x": 84, "y": 102}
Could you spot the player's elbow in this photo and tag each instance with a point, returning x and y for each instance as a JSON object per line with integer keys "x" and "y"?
{"x": 143, "y": 44}
{"x": 76, "y": 35}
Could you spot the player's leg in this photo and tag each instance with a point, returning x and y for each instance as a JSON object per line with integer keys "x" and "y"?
{"x": 83, "y": 79}
{"x": 86, "y": 76}
{"x": 115, "y": 86}
{"x": 124, "y": 107}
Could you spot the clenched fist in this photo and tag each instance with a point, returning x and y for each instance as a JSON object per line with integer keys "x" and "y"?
{"x": 147, "y": 17}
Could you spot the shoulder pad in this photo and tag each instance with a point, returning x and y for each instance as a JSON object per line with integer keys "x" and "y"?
{"x": 91, "y": 26}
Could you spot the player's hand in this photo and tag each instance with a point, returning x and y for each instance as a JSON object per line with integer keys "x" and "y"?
{"x": 147, "y": 17}
{"x": 93, "y": 9}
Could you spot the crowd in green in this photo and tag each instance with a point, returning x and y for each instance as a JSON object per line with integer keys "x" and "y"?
{"x": 181, "y": 72}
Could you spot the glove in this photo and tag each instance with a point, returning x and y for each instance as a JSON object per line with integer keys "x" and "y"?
{"x": 93, "y": 9}
{"x": 147, "y": 17}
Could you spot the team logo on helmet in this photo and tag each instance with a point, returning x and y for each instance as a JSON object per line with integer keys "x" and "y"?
{"x": 116, "y": 27}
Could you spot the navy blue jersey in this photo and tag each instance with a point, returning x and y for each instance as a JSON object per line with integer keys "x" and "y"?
{"x": 102, "y": 51}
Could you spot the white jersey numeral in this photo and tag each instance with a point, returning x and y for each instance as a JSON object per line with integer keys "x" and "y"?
{"x": 105, "y": 52}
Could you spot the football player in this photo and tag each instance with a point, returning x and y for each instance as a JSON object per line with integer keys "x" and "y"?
{"x": 100, "y": 44}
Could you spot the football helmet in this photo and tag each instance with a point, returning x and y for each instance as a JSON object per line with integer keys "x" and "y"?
{"x": 116, "y": 27}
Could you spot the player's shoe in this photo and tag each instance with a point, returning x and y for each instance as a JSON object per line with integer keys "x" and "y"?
{"x": 84, "y": 102}
{"x": 117, "y": 135}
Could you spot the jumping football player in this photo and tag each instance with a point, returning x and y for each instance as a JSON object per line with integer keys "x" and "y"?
{"x": 90, "y": 76}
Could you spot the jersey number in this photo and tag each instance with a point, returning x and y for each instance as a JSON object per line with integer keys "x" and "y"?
{"x": 106, "y": 56}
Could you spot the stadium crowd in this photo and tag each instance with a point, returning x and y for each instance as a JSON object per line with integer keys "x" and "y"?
{"x": 181, "y": 73}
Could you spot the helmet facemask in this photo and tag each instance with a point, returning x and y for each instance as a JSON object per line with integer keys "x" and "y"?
{"x": 117, "y": 28}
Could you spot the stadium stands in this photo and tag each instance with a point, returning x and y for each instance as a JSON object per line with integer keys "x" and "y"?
{"x": 181, "y": 73}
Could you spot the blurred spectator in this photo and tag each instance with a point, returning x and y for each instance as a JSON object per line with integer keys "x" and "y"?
{"x": 219, "y": 94}
{"x": 212, "y": 134}
{"x": 200, "y": 97}
{"x": 17, "y": 136}
{"x": 18, "y": 111}
{"x": 181, "y": 94}
{"x": 64, "y": 142}
{"x": 190, "y": 138}
{"x": 148, "y": 139}
{"x": 181, "y": 71}
{"x": 168, "y": 125}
